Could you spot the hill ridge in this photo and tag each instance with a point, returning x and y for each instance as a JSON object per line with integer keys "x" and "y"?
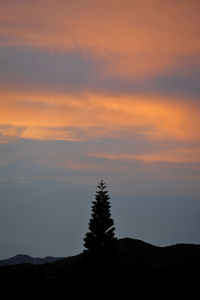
{"x": 25, "y": 258}
{"x": 140, "y": 266}
{"x": 130, "y": 246}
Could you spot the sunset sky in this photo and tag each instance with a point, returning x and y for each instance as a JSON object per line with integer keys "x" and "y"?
{"x": 93, "y": 89}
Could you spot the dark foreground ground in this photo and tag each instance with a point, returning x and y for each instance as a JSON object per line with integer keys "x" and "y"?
{"x": 140, "y": 269}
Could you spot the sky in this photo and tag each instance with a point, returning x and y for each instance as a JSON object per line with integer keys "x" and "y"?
{"x": 91, "y": 90}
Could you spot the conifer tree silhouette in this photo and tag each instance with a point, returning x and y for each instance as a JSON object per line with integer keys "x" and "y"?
{"x": 100, "y": 240}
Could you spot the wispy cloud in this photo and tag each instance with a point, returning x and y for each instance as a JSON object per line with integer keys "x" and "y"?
{"x": 177, "y": 156}
{"x": 67, "y": 117}
{"x": 90, "y": 116}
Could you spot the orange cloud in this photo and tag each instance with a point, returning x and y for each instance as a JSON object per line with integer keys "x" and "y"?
{"x": 66, "y": 117}
{"x": 180, "y": 156}
{"x": 134, "y": 38}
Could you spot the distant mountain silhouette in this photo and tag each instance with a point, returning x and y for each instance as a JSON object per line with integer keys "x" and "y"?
{"x": 21, "y": 259}
{"x": 140, "y": 269}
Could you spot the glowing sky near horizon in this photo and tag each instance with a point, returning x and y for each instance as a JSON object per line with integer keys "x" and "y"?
{"x": 98, "y": 89}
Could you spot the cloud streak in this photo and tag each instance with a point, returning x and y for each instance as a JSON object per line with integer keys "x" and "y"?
{"x": 177, "y": 156}
{"x": 90, "y": 116}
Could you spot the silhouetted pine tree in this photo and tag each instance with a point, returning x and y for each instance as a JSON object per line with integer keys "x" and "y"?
{"x": 100, "y": 240}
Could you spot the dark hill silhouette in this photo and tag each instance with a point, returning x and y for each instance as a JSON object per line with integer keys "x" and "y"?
{"x": 21, "y": 259}
{"x": 139, "y": 269}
